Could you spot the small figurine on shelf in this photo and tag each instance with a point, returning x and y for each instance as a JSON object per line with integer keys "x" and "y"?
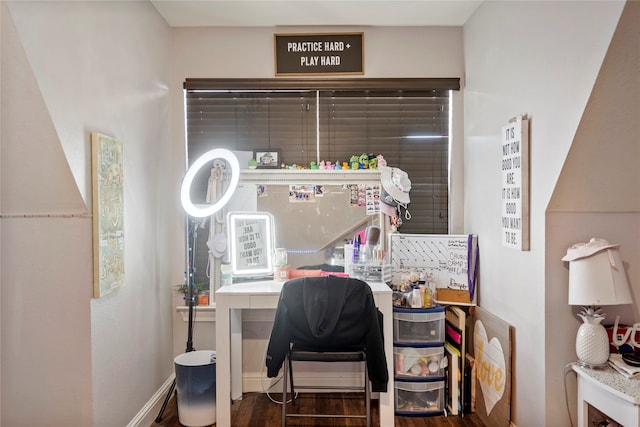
{"x": 363, "y": 161}
{"x": 373, "y": 161}
{"x": 355, "y": 162}
{"x": 252, "y": 164}
{"x": 314, "y": 165}
{"x": 328, "y": 164}
{"x": 338, "y": 165}
{"x": 381, "y": 161}
{"x": 322, "y": 165}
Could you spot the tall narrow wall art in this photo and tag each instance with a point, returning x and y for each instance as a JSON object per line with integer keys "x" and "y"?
{"x": 108, "y": 214}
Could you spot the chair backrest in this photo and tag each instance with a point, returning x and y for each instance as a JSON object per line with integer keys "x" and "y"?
{"x": 328, "y": 312}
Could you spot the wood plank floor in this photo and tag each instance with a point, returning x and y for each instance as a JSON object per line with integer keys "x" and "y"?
{"x": 256, "y": 410}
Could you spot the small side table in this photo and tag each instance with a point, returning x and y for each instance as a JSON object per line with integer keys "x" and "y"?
{"x": 609, "y": 392}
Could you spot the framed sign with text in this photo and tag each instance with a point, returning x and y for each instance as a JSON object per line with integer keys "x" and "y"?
{"x": 251, "y": 243}
{"x": 340, "y": 53}
{"x": 515, "y": 184}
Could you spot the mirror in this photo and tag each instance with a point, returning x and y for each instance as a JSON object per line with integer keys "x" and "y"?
{"x": 251, "y": 243}
{"x": 313, "y": 222}
{"x": 314, "y": 212}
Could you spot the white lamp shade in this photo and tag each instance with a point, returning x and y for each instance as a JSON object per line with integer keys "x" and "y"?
{"x": 598, "y": 280}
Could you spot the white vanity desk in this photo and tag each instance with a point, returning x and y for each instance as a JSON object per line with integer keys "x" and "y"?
{"x": 610, "y": 393}
{"x": 231, "y": 300}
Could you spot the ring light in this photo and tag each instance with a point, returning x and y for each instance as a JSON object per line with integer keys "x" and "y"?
{"x": 201, "y": 211}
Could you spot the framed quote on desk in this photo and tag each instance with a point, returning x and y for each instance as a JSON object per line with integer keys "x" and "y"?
{"x": 251, "y": 243}
{"x": 108, "y": 214}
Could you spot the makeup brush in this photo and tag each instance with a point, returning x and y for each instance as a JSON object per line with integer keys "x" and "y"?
{"x": 372, "y": 234}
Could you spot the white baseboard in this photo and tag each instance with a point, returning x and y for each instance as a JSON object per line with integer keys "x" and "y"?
{"x": 147, "y": 415}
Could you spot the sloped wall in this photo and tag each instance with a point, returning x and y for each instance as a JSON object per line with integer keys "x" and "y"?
{"x": 601, "y": 172}
{"x": 69, "y": 69}
{"x": 45, "y": 309}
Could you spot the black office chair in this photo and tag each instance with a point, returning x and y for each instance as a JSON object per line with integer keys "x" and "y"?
{"x": 327, "y": 319}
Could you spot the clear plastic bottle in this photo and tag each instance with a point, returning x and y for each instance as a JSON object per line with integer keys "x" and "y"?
{"x": 427, "y": 295}
{"x": 226, "y": 274}
{"x": 416, "y": 302}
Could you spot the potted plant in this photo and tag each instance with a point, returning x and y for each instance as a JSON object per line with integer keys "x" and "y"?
{"x": 183, "y": 289}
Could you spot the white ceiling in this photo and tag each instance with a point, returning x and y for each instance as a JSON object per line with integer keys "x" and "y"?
{"x": 268, "y": 13}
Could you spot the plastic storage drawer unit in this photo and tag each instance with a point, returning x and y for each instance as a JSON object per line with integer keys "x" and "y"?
{"x": 419, "y": 361}
{"x": 423, "y": 325}
{"x": 419, "y": 398}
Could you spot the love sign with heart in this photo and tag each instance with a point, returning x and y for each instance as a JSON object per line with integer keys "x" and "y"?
{"x": 490, "y": 366}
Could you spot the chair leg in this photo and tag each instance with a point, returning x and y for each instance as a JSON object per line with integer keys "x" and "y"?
{"x": 288, "y": 376}
{"x": 293, "y": 394}
{"x": 285, "y": 368}
{"x": 367, "y": 395}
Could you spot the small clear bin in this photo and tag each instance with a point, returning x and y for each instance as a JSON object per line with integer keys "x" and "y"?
{"x": 425, "y": 325}
{"x": 419, "y": 362}
{"x": 419, "y": 397}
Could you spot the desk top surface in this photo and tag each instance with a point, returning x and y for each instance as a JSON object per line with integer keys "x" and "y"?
{"x": 628, "y": 389}
{"x": 271, "y": 287}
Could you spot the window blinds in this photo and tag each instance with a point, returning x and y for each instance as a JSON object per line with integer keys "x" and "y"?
{"x": 405, "y": 120}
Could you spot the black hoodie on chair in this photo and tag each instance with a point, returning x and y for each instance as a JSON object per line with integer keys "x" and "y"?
{"x": 330, "y": 312}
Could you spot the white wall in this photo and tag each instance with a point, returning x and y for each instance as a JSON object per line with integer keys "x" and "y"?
{"x": 248, "y": 53}
{"x": 68, "y": 69}
{"x": 1, "y": 9}
{"x": 539, "y": 59}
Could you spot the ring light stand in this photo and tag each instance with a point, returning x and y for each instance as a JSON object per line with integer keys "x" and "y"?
{"x": 201, "y": 211}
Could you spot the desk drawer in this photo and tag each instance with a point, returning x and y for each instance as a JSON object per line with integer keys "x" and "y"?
{"x": 262, "y": 301}
{"x": 418, "y": 326}
{"x": 419, "y": 397}
{"x": 413, "y": 362}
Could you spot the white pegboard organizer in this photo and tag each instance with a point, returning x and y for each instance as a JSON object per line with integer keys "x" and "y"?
{"x": 444, "y": 259}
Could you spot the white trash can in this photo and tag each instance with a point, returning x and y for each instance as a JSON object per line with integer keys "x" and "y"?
{"x": 196, "y": 387}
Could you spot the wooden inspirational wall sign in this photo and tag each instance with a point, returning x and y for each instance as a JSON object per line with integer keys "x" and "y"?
{"x": 515, "y": 184}
{"x": 297, "y": 54}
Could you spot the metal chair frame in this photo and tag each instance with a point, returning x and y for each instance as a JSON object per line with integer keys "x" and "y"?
{"x": 324, "y": 356}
